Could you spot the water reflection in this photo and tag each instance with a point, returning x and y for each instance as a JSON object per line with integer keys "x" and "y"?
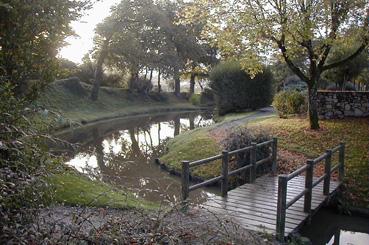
{"x": 329, "y": 227}
{"x": 123, "y": 151}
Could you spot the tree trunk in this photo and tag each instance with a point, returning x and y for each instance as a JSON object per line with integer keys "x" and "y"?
{"x": 99, "y": 71}
{"x": 159, "y": 85}
{"x": 177, "y": 83}
{"x": 313, "y": 107}
{"x": 192, "y": 83}
{"x": 177, "y": 125}
{"x": 151, "y": 72}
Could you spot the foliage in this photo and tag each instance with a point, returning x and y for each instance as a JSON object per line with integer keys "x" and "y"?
{"x": 195, "y": 99}
{"x": 31, "y": 32}
{"x": 293, "y": 135}
{"x": 236, "y": 90}
{"x": 145, "y": 35}
{"x": 289, "y": 102}
{"x": 291, "y": 29}
{"x": 207, "y": 97}
{"x": 242, "y": 138}
{"x": 23, "y": 164}
{"x": 345, "y": 87}
{"x": 141, "y": 86}
{"x": 349, "y": 71}
{"x": 113, "y": 103}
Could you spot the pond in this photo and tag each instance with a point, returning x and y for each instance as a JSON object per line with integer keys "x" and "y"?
{"x": 330, "y": 227}
{"x": 123, "y": 151}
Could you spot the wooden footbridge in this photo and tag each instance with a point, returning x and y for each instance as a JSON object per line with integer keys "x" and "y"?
{"x": 277, "y": 205}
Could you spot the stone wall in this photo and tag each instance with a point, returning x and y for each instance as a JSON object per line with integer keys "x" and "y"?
{"x": 340, "y": 104}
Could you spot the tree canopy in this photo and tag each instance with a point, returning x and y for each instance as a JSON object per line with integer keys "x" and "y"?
{"x": 252, "y": 31}
{"x": 31, "y": 32}
{"x": 147, "y": 35}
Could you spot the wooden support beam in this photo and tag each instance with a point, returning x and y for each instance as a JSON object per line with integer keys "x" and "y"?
{"x": 274, "y": 156}
{"x": 308, "y": 186}
{"x": 225, "y": 161}
{"x": 253, "y": 162}
{"x": 185, "y": 179}
{"x": 281, "y": 207}
{"x": 341, "y": 169}
{"x": 327, "y": 171}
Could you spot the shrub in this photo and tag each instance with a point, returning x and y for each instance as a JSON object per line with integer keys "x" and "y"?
{"x": 235, "y": 89}
{"x": 195, "y": 99}
{"x": 346, "y": 87}
{"x": 243, "y": 138}
{"x": 141, "y": 85}
{"x": 289, "y": 102}
{"x": 207, "y": 97}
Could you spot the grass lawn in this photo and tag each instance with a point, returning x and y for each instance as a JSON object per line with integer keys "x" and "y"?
{"x": 294, "y": 136}
{"x": 72, "y": 102}
{"x": 198, "y": 144}
{"x": 74, "y": 189}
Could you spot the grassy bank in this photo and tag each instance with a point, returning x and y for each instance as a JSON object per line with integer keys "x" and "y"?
{"x": 71, "y": 101}
{"x": 75, "y": 189}
{"x": 198, "y": 144}
{"x": 295, "y": 138}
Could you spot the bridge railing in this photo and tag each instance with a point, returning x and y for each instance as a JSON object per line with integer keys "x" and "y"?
{"x": 283, "y": 205}
{"x": 225, "y": 173}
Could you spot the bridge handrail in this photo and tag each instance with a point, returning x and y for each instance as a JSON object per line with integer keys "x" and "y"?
{"x": 283, "y": 205}
{"x": 223, "y": 178}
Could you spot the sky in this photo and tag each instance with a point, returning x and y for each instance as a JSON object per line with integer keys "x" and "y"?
{"x": 83, "y": 43}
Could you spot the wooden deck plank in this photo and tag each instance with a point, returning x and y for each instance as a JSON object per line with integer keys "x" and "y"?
{"x": 254, "y": 205}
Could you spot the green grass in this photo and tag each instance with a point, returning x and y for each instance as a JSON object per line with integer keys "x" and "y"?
{"x": 113, "y": 102}
{"x": 294, "y": 136}
{"x": 193, "y": 145}
{"x": 77, "y": 190}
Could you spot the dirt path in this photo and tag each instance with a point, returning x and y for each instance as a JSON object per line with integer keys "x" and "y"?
{"x": 221, "y": 130}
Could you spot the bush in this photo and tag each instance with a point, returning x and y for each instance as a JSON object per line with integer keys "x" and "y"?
{"x": 195, "y": 99}
{"x": 289, "y": 102}
{"x": 346, "y": 87}
{"x": 235, "y": 90}
{"x": 141, "y": 85}
{"x": 207, "y": 97}
{"x": 243, "y": 138}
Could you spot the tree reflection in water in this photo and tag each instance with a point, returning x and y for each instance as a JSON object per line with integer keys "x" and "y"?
{"x": 124, "y": 154}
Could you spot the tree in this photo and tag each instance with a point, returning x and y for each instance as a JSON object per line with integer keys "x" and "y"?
{"x": 143, "y": 36}
{"x": 31, "y": 32}
{"x": 252, "y": 30}
{"x": 349, "y": 71}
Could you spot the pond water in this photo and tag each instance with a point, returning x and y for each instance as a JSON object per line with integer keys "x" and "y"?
{"x": 330, "y": 227}
{"x": 123, "y": 151}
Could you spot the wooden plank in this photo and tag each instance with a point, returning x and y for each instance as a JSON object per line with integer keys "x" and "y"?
{"x": 246, "y": 222}
{"x": 317, "y": 197}
{"x": 254, "y": 217}
{"x": 252, "y": 205}
{"x": 254, "y": 212}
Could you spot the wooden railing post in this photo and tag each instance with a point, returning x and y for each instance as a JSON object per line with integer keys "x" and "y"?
{"x": 308, "y": 185}
{"x": 185, "y": 179}
{"x": 253, "y": 162}
{"x": 341, "y": 168}
{"x": 274, "y": 156}
{"x": 281, "y": 206}
{"x": 224, "y": 186}
{"x": 327, "y": 171}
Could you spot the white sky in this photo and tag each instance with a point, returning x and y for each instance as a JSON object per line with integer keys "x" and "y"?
{"x": 84, "y": 28}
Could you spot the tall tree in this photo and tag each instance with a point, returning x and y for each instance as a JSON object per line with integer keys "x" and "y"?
{"x": 31, "y": 32}
{"x": 252, "y": 30}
